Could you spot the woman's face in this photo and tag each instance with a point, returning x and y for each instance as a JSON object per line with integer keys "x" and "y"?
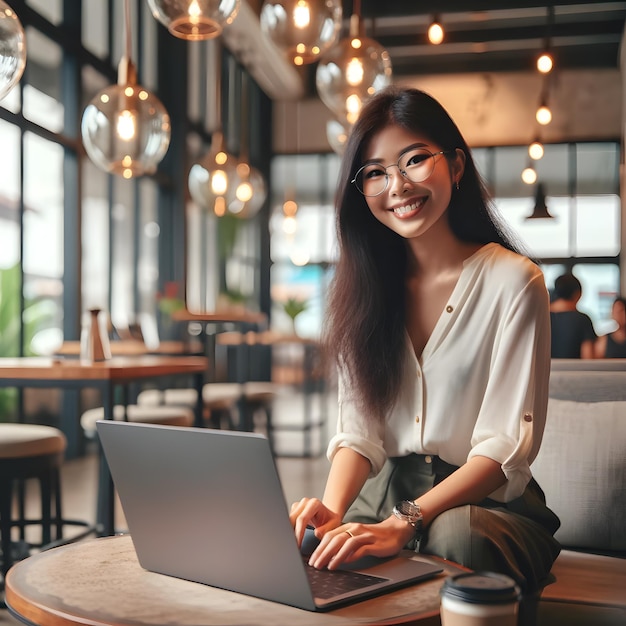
{"x": 409, "y": 208}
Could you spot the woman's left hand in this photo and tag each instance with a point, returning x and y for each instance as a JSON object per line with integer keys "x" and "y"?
{"x": 351, "y": 541}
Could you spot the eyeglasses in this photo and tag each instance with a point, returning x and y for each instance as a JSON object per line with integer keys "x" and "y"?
{"x": 415, "y": 165}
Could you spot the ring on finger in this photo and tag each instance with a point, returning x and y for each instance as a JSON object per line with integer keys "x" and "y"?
{"x": 347, "y": 531}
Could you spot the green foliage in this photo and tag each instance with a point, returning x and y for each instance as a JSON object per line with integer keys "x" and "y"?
{"x": 36, "y": 314}
{"x": 293, "y": 307}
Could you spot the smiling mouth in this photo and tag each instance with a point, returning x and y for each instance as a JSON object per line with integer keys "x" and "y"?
{"x": 409, "y": 208}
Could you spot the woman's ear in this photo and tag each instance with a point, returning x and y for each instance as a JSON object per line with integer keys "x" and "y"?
{"x": 457, "y": 166}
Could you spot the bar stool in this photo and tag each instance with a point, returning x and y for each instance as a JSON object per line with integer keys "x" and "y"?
{"x": 30, "y": 451}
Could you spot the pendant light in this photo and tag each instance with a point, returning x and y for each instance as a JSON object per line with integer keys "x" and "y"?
{"x": 213, "y": 180}
{"x": 195, "y": 20}
{"x": 303, "y": 29}
{"x": 337, "y": 135}
{"x": 352, "y": 71}
{"x": 540, "y": 210}
{"x": 436, "y": 32}
{"x": 125, "y": 128}
{"x": 12, "y": 49}
{"x": 251, "y": 191}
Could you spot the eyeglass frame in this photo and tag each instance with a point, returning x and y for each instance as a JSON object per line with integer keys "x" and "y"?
{"x": 397, "y": 164}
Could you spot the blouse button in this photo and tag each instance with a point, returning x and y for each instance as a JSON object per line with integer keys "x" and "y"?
{"x": 428, "y": 459}
{"x": 417, "y": 419}
{"x": 528, "y": 417}
{"x": 449, "y": 308}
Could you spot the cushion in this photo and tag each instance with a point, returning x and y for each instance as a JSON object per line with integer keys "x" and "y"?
{"x": 26, "y": 440}
{"x": 581, "y": 467}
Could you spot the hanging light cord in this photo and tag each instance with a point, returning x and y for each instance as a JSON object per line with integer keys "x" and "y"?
{"x": 127, "y": 28}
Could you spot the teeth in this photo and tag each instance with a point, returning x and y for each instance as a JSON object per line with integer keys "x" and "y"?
{"x": 406, "y": 209}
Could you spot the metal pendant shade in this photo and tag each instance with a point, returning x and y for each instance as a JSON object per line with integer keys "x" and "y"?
{"x": 12, "y": 49}
{"x": 126, "y": 129}
{"x": 194, "y": 20}
{"x": 351, "y": 72}
{"x": 303, "y": 29}
{"x": 540, "y": 210}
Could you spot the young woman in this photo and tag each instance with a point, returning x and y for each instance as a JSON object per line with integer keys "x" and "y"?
{"x": 441, "y": 333}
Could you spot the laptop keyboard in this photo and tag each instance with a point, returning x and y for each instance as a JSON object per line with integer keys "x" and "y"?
{"x": 327, "y": 584}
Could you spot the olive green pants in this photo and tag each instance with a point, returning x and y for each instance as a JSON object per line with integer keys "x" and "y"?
{"x": 513, "y": 538}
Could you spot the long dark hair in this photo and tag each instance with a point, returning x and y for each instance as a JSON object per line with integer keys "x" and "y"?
{"x": 365, "y": 322}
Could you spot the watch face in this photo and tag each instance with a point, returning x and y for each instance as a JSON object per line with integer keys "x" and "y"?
{"x": 410, "y": 509}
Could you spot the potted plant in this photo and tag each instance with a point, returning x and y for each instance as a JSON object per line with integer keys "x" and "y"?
{"x": 293, "y": 307}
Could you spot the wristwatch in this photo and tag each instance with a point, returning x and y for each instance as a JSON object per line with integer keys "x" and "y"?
{"x": 410, "y": 512}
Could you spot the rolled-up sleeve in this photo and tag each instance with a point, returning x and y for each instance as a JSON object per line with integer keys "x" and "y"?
{"x": 356, "y": 432}
{"x": 512, "y": 415}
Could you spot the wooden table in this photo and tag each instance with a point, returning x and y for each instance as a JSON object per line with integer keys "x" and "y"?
{"x": 107, "y": 376}
{"x": 100, "y": 582}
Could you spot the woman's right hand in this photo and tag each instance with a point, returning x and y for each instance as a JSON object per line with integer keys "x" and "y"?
{"x": 312, "y": 512}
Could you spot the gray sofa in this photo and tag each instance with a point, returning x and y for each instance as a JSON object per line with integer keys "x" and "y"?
{"x": 582, "y": 469}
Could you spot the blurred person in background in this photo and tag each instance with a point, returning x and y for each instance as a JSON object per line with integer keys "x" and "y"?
{"x": 613, "y": 345}
{"x": 573, "y": 335}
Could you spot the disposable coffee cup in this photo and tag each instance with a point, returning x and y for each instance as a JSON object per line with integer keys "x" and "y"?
{"x": 479, "y": 599}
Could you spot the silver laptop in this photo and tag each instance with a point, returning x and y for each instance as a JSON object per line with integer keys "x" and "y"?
{"x": 207, "y": 506}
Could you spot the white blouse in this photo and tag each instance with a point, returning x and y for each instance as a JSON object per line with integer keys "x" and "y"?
{"x": 480, "y": 386}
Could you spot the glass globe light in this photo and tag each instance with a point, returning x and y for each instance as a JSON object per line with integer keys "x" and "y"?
{"x": 337, "y": 136}
{"x": 194, "y": 20}
{"x": 12, "y": 49}
{"x": 213, "y": 180}
{"x": 250, "y": 192}
{"x": 351, "y": 72}
{"x": 126, "y": 129}
{"x": 303, "y": 29}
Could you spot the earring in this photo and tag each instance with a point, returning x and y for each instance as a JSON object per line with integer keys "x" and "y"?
{"x": 457, "y": 185}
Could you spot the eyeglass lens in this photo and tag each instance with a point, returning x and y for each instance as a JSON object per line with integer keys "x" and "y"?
{"x": 416, "y": 165}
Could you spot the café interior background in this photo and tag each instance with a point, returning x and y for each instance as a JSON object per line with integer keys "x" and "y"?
{"x": 74, "y": 237}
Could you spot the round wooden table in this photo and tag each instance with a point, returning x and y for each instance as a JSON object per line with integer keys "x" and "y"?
{"x": 99, "y": 581}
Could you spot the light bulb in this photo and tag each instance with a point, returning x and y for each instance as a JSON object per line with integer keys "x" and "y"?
{"x": 126, "y": 125}
{"x": 545, "y": 63}
{"x": 347, "y": 76}
{"x": 535, "y": 150}
{"x": 301, "y": 14}
{"x": 290, "y": 225}
{"x": 354, "y": 72}
{"x": 12, "y": 49}
{"x": 529, "y": 176}
{"x": 303, "y": 29}
{"x": 543, "y": 115}
{"x": 219, "y": 182}
{"x": 435, "y": 33}
{"x": 244, "y": 191}
{"x": 213, "y": 180}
